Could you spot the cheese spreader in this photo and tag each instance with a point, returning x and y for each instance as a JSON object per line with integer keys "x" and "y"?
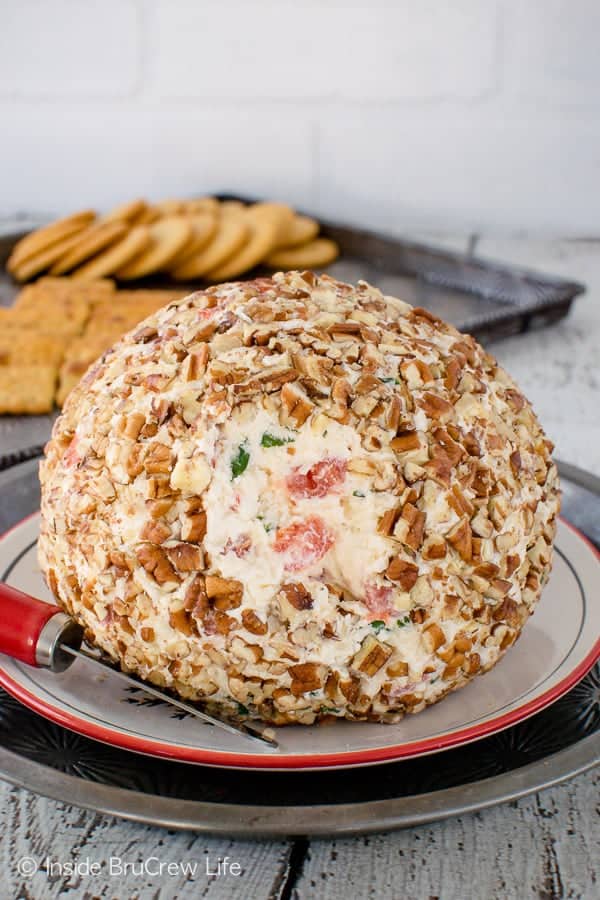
{"x": 42, "y": 635}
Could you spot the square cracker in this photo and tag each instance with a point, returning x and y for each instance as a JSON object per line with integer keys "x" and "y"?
{"x": 27, "y": 390}
{"x": 81, "y": 354}
{"x": 49, "y": 318}
{"x": 24, "y": 347}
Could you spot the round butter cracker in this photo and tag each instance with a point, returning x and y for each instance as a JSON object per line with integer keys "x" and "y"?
{"x": 168, "y": 236}
{"x": 126, "y": 212}
{"x": 204, "y": 228}
{"x": 231, "y": 235}
{"x": 300, "y": 230}
{"x": 266, "y": 222}
{"x": 43, "y": 238}
{"x": 91, "y": 241}
{"x": 116, "y": 256}
{"x": 316, "y": 254}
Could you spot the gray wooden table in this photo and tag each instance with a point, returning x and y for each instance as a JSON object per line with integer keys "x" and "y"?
{"x": 545, "y": 846}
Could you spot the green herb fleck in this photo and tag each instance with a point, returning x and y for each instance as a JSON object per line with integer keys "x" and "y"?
{"x": 329, "y": 709}
{"x": 266, "y": 525}
{"x": 377, "y": 625}
{"x": 243, "y": 710}
{"x": 402, "y": 622}
{"x": 239, "y": 463}
{"x": 270, "y": 440}
{"x": 358, "y": 494}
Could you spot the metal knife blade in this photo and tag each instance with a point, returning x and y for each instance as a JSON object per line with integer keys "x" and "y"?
{"x": 247, "y": 730}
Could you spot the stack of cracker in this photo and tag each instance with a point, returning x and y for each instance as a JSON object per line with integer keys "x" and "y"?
{"x": 56, "y": 329}
{"x": 185, "y": 240}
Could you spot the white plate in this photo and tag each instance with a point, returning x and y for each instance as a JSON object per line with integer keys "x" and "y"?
{"x": 558, "y": 646}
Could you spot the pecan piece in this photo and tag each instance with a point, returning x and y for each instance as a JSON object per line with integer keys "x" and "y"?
{"x": 408, "y": 440}
{"x": 194, "y": 527}
{"x": 130, "y": 426}
{"x": 195, "y": 363}
{"x": 226, "y": 593}
{"x": 157, "y": 460}
{"x": 397, "y": 670}
{"x": 434, "y": 547}
{"x": 297, "y": 596}
{"x": 305, "y": 677}
{"x": 410, "y": 526}
{"x": 252, "y": 623}
{"x": 371, "y": 656}
{"x": 154, "y": 560}
{"x": 388, "y": 520}
{"x": 458, "y": 502}
{"x": 452, "y": 374}
{"x": 507, "y": 611}
{"x": 351, "y": 689}
{"x": 435, "y": 407}
{"x": 405, "y": 573}
{"x": 155, "y": 531}
{"x": 296, "y": 406}
{"x": 186, "y": 557}
{"x": 433, "y": 638}
{"x": 182, "y": 621}
{"x": 134, "y": 465}
{"x": 195, "y": 597}
{"x": 461, "y": 538}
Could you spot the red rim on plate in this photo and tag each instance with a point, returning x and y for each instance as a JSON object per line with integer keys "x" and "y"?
{"x": 305, "y": 761}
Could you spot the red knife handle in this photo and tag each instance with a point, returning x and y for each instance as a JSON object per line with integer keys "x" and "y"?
{"x": 33, "y": 631}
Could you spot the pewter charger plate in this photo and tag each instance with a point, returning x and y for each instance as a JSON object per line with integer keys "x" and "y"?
{"x": 547, "y": 748}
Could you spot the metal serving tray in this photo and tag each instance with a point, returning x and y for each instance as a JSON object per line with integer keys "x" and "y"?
{"x": 553, "y": 745}
{"x": 488, "y": 299}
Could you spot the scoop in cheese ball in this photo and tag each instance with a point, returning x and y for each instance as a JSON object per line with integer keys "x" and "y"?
{"x": 295, "y": 498}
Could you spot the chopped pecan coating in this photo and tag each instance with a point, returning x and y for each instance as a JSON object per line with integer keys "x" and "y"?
{"x": 156, "y": 563}
{"x": 234, "y": 586}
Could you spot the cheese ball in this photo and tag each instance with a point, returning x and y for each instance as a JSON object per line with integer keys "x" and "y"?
{"x": 295, "y": 499}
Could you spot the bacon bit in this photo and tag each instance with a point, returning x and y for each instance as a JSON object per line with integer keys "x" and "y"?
{"x": 235, "y": 503}
{"x": 240, "y": 546}
{"x": 72, "y": 457}
{"x": 209, "y": 623}
{"x": 322, "y": 478}
{"x": 304, "y": 543}
{"x": 379, "y": 601}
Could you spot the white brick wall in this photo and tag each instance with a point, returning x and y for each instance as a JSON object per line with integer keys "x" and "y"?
{"x": 65, "y": 48}
{"x": 285, "y": 50}
{"x": 396, "y": 113}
